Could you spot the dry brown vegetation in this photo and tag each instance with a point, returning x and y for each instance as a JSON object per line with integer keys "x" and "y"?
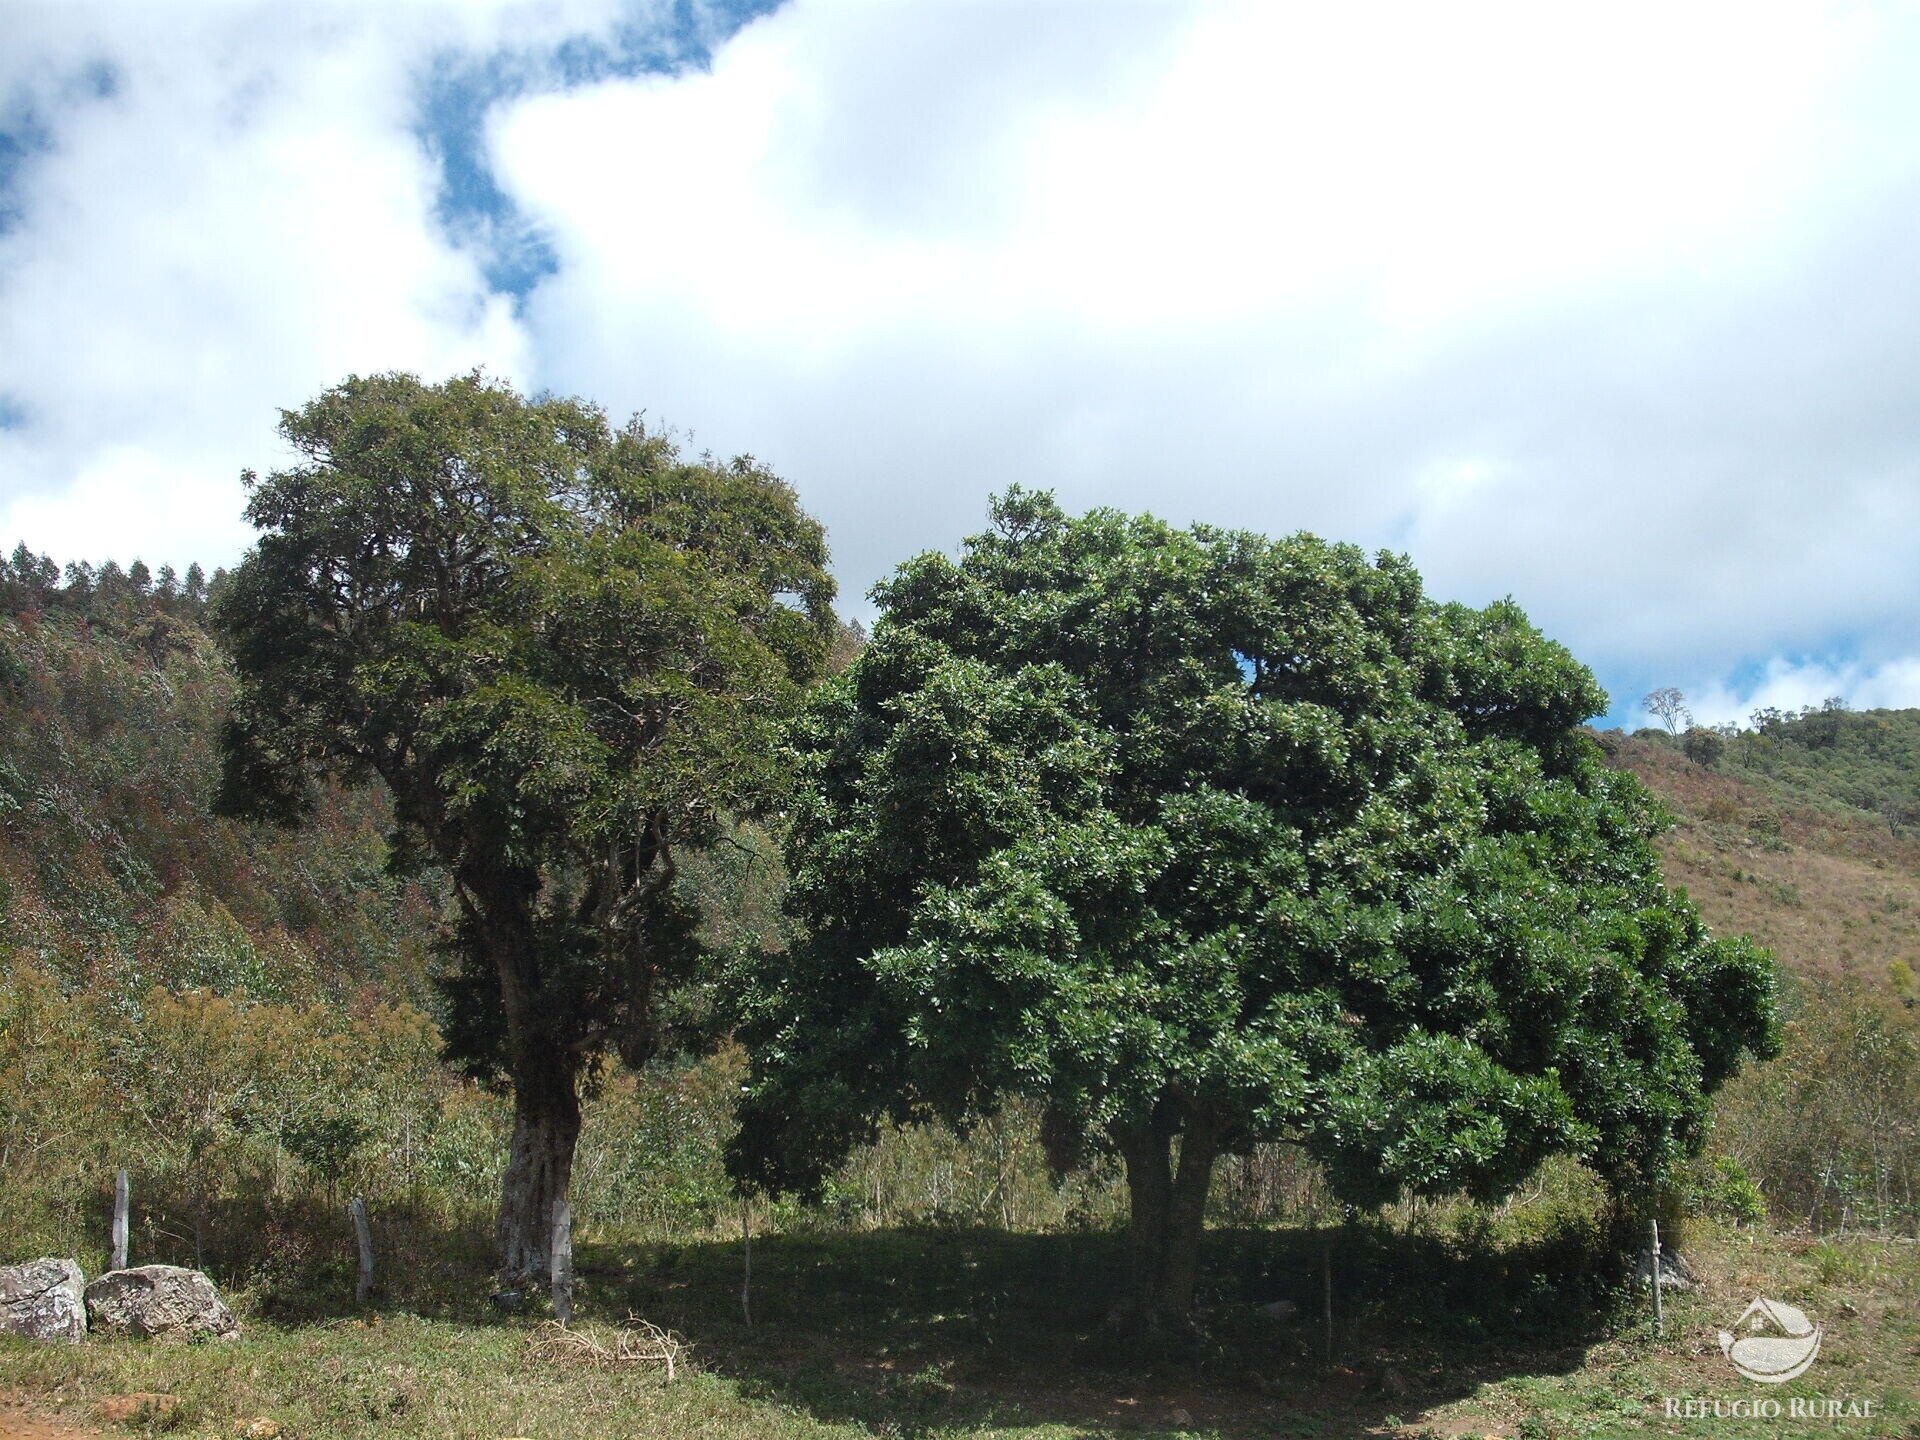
{"x": 1833, "y": 892}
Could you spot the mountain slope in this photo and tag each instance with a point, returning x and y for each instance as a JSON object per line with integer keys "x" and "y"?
{"x": 1770, "y": 843}
{"x": 111, "y": 869}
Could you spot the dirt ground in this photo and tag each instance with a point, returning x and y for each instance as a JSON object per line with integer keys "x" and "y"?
{"x": 23, "y": 1425}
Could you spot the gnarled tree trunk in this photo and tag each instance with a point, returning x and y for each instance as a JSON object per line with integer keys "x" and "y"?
{"x": 1166, "y": 1220}
{"x": 545, "y": 1072}
{"x": 546, "y": 1127}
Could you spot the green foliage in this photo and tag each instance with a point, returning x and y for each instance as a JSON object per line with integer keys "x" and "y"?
{"x": 562, "y": 648}
{"x": 996, "y": 1174}
{"x": 114, "y": 881}
{"x": 205, "y": 1099}
{"x": 1704, "y": 746}
{"x": 326, "y": 1142}
{"x": 1194, "y": 829}
{"x": 566, "y": 652}
{"x": 198, "y": 945}
{"x": 650, "y": 1161}
{"x": 127, "y": 602}
{"x": 53, "y": 1094}
{"x": 111, "y": 870}
{"x": 1830, "y": 756}
{"x": 1831, "y": 1129}
{"x": 1720, "y": 1186}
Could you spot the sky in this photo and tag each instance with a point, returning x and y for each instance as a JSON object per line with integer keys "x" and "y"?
{"x": 1607, "y": 308}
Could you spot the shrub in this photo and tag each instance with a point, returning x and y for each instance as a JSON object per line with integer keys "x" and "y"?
{"x": 1721, "y": 1187}
{"x": 1703, "y": 746}
{"x": 1830, "y": 1131}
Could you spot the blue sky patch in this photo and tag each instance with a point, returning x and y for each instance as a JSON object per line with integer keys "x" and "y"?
{"x": 25, "y": 133}
{"x": 457, "y": 93}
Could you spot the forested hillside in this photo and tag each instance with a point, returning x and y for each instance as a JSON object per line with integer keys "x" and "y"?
{"x": 223, "y": 1009}
{"x": 1832, "y": 759}
{"x": 1800, "y": 836}
{"x": 284, "y": 977}
{"x": 116, "y": 877}
{"x": 244, "y": 1015}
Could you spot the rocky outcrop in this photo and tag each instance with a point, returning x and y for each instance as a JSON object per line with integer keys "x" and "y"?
{"x": 159, "y": 1300}
{"x": 1676, "y": 1271}
{"x": 42, "y": 1300}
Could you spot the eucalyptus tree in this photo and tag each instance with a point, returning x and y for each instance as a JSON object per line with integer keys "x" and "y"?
{"x": 566, "y": 651}
{"x": 1204, "y": 839}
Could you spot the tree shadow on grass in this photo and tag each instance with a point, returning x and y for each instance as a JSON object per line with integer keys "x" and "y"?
{"x": 918, "y": 1331}
{"x": 913, "y": 1331}
{"x": 295, "y": 1255}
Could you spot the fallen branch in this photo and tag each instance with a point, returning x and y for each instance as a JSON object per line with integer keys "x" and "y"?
{"x": 638, "y": 1342}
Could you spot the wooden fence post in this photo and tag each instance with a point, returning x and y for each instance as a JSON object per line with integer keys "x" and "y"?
{"x": 364, "y": 1285}
{"x": 1659, "y": 1321}
{"x": 119, "y": 1257}
{"x": 746, "y": 1272}
{"x": 1326, "y": 1258}
{"x": 562, "y": 1251}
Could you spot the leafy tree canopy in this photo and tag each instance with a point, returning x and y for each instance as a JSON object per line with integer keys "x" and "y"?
{"x": 567, "y": 651}
{"x": 1197, "y": 833}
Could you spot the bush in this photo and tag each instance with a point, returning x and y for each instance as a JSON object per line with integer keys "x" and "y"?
{"x": 57, "y": 1115}
{"x": 1830, "y": 1131}
{"x": 1703, "y": 746}
{"x": 1720, "y": 1186}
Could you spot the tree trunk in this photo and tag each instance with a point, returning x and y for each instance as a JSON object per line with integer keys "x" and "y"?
{"x": 1167, "y": 1218}
{"x": 541, "y": 1063}
{"x": 546, "y": 1126}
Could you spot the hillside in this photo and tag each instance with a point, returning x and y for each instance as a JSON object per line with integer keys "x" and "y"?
{"x": 1802, "y": 846}
{"x": 1836, "y": 758}
{"x": 1795, "y": 837}
{"x": 243, "y": 1016}
{"x": 113, "y": 874}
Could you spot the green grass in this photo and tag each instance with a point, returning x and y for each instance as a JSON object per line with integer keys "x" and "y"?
{"x": 951, "y": 1334}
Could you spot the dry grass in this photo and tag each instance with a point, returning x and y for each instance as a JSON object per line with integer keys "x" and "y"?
{"x": 1834, "y": 894}
{"x": 602, "y": 1347}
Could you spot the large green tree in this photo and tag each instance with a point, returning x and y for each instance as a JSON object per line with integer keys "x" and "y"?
{"x": 1205, "y": 839}
{"x": 567, "y": 652}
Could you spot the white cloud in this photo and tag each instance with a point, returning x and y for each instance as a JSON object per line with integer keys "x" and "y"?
{"x": 1610, "y": 310}
{"x": 244, "y": 220}
{"x": 1557, "y": 300}
{"x": 845, "y": 162}
{"x": 1793, "y": 685}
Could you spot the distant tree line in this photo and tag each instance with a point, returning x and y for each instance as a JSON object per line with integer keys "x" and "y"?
{"x": 1816, "y": 726}
{"x": 138, "y": 602}
{"x": 1822, "y": 753}
{"x": 1669, "y": 706}
{"x": 36, "y": 582}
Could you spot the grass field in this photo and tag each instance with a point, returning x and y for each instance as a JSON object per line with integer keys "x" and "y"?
{"x": 1438, "y": 1330}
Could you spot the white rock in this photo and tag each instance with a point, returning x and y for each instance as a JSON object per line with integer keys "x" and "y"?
{"x": 1675, "y": 1271}
{"x": 42, "y": 1300}
{"x": 159, "y": 1300}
